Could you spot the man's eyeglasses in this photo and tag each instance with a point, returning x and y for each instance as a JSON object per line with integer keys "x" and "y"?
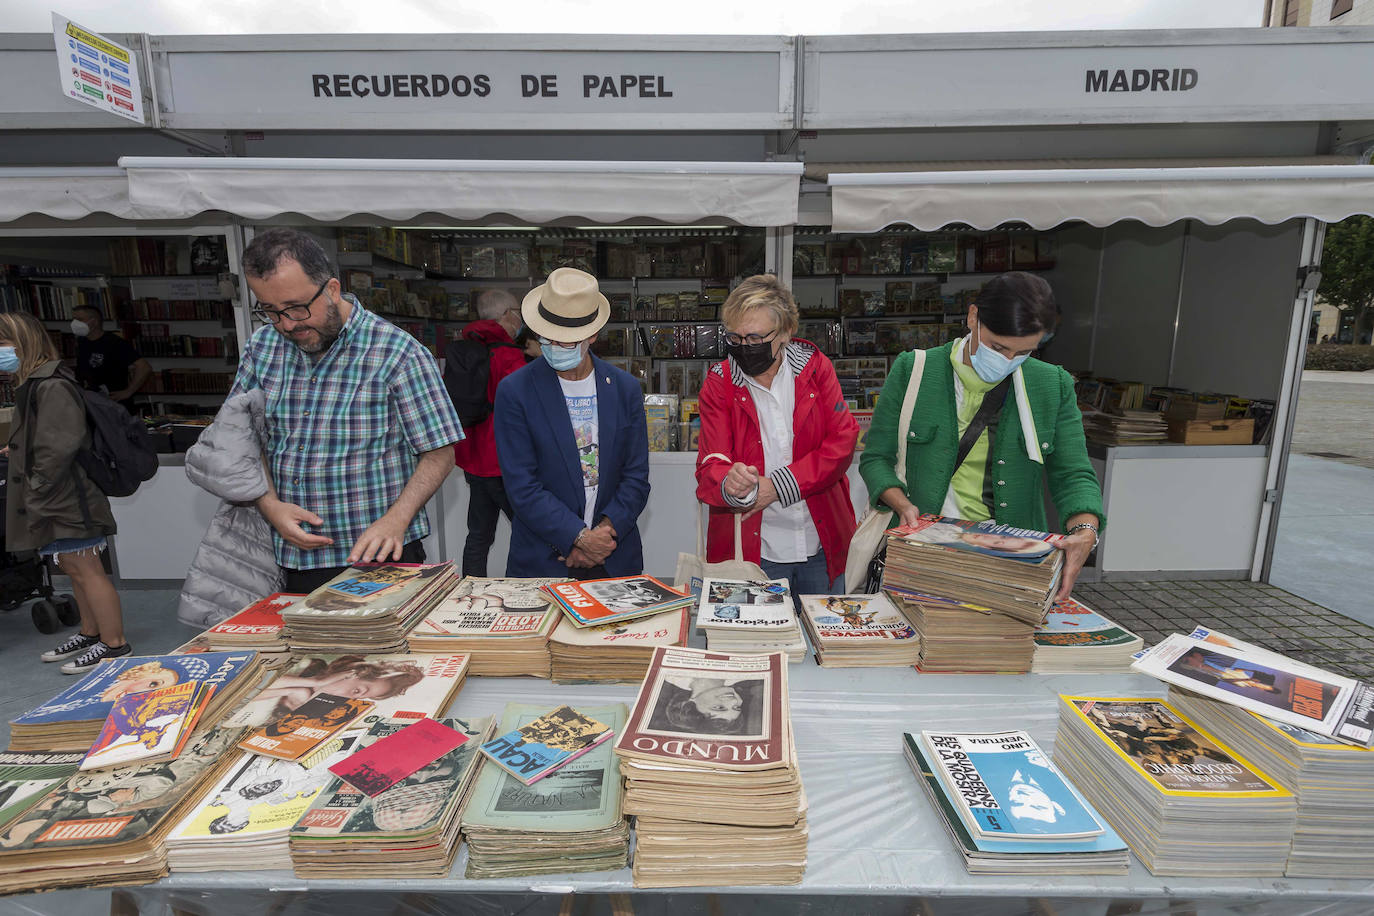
{"x": 294, "y": 312}
{"x": 735, "y": 340}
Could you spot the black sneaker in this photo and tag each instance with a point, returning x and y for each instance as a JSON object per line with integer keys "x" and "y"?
{"x": 94, "y": 656}
{"x": 75, "y": 645}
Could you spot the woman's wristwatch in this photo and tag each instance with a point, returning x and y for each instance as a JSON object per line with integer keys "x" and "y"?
{"x": 1092, "y": 528}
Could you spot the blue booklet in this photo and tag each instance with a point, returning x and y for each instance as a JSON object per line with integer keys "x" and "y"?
{"x": 1107, "y": 843}
{"x": 533, "y": 751}
{"x": 92, "y": 697}
{"x": 1004, "y": 787}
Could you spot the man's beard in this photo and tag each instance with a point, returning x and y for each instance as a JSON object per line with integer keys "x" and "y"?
{"x": 325, "y": 336}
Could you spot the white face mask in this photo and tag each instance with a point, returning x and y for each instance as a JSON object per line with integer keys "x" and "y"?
{"x": 80, "y": 328}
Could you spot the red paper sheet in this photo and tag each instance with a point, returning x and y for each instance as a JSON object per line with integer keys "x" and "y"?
{"x": 387, "y": 761}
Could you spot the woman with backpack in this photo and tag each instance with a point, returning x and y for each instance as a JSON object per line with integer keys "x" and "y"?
{"x": 53, "y": 507}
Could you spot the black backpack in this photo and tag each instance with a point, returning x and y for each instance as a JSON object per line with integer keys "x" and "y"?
{"x": 467, "y": 371}
{"x": 122, "y": 454}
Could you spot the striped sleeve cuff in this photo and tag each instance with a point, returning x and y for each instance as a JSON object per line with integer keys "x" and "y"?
{"x": 736, "y": 502}
{"x": 786, "y": 485}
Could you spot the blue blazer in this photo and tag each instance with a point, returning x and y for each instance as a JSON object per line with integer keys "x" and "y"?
{"x": 543, "y": 476}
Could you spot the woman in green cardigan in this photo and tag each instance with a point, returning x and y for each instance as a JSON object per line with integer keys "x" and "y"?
{"x": 1034, "y": 440}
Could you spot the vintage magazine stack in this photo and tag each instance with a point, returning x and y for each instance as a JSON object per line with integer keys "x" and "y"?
{"x": 859, "y": 631}
{"x": 739, "y": 615}
{"x": 712, "y": 774}
{"x": 409, "y": 830}
{"x": 571, "y": 820}
{"x": 613, "y": 653}
{"x": 974, "y": 591}
{"x": 368, "y": 608}
{"x": 503, "y": 624}
{"x": 1185, "y": 802}
{"x": 1074, "y": 638}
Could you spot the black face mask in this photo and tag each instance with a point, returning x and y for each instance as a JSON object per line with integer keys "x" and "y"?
{"x": 752, "y": 359}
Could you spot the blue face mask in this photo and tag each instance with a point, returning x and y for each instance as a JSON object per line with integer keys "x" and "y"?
{"x": 990, "y": 365}
{"x": 9, "y": 360}
{"x": 563, "y": 358}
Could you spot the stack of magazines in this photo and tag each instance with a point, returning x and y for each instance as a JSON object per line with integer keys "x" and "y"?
{"x": 258, "y": 626}
{"x": 859, "y": 631}
{"x": 569, "y": 821}
{"x": 1185, "y": 802}
{"x": 712, "y": 774}
{"x": 740, "y": 615}
{"x": 957, "y": 636}
{"x": 1333, "y": 782}
{"x": 503, "y": 624}
{"x": 367, "y": 608}
{"x": 26, "y": 776}
{"x": 401, "y": 686}
{"x": 1008, "y": 808}
{"x": 1224, "y": 668}
{"x": 600, "y": 601}
{"x": 1074, "y": 638}
{"x": 107, "y": 827}
{"x": 1125, "y": 427}
{"x": 244, "y": 821}
{"x": 409, "y": 830}
{"x": 613, "y": 652}
{"x": 72, "y": 720}
{"x": 1012, "y": 571}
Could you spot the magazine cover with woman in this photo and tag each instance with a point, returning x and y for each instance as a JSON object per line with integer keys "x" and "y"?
{"x": 986, "y": 538}
{"x": 711, "y": 709}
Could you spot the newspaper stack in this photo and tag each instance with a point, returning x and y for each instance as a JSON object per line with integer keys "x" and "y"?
{"x": 1009, "y": 810}
{"x": 1333, "y": 782}
{"x": 741, "y": 615}
{"x": 244, "y": 821}
{"x": 859, "y": 631}
{"x": 1125, "y": 427}
{"x": 410, "y": 830}
{"x": 712, "y": 773}
{"x": 107, "y": 827}
{"x": 962, "y": 637}
{"x": 72, "y": 720}
{"x": 1011, "y": 571}
{"x": 1185, "y": 802}
{"x": 569, "y": 821}
{"x": 1074, "y": 638}
{"x": 258, "y": 626}
{"x": 367, "y": 608}
{"x": 613, "y": 652}
{"x": 401, "y": 686}
{"x": 504, "y": 624}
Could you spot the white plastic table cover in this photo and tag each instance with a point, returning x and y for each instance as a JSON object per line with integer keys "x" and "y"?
{"x": 873, "y": 833}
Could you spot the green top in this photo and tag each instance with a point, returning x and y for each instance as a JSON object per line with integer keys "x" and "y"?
{"x": 933, "y": 443}
{"x": 968, "y": 478}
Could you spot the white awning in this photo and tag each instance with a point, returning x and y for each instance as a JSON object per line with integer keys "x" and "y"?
{"x": 532, "y": 191}
{"x": 64, "y": 193}
{"x": 1043, "y": 198}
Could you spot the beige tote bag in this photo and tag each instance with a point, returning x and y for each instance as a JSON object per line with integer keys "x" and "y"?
{"x": 871, "y": 534}
{"x": 692, "y": 569}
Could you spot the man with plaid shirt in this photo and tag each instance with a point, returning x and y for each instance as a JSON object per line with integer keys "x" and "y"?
{"x": 360, "y": 427}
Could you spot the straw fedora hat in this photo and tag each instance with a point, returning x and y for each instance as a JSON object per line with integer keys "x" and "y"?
{"x": 568, "y": 308}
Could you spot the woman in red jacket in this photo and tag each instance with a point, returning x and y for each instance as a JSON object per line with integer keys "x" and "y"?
{"x": 775, "y": 410}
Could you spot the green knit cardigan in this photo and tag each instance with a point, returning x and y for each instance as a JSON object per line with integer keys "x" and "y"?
{"x": 933, "y": 444}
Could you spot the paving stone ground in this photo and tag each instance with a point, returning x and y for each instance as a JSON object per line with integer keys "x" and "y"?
{"x": 1336, "y": 417}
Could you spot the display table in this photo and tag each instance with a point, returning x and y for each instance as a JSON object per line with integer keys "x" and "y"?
{"x": 872, "y": 830}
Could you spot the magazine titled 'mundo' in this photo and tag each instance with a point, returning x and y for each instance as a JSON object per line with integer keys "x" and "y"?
{"x": 1265, "y": 683}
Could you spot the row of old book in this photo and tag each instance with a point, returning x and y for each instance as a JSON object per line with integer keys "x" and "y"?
{"x": 707, "y": 757}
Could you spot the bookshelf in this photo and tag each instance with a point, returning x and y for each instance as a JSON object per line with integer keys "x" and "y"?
{"x": 164, "y": 294}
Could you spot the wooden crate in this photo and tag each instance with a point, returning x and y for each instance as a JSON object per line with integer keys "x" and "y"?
{"x": 1212, "y": 432}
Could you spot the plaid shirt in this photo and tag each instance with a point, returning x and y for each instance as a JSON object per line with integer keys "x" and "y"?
{"x": 344, "y": 433}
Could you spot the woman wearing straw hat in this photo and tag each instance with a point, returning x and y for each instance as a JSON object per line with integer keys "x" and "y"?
{"x": 572, "y": 442}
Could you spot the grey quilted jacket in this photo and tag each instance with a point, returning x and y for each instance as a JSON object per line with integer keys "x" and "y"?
{"x": 236, "y": 563}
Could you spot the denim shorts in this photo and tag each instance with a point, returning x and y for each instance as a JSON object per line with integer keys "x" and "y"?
{"x": 72, "y": 545}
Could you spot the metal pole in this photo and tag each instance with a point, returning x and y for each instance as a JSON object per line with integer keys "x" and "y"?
{"x": 1178, "y": 304}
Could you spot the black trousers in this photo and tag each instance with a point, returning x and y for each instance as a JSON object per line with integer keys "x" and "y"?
{"x": 486, "y": 504}
{"x": 305, "y": 581}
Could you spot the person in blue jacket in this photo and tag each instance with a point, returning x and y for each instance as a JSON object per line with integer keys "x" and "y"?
{"x": 572, "y": 442}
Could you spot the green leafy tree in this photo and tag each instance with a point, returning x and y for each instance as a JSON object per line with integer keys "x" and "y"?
{"x": 1348, "y": 270}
